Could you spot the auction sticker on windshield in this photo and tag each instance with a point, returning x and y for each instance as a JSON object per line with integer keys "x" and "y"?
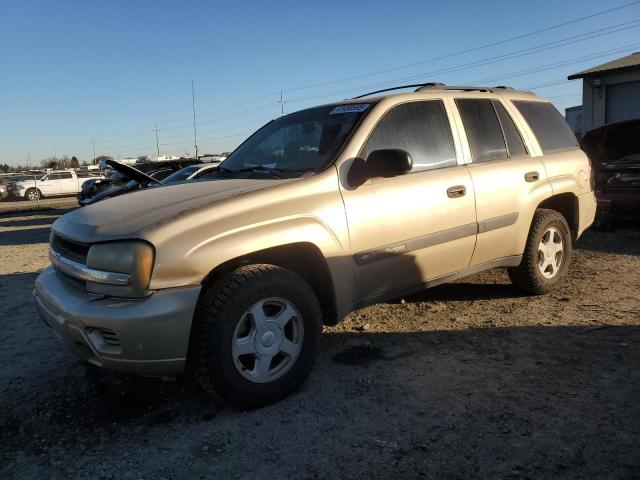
{"x": 350, "y": 108}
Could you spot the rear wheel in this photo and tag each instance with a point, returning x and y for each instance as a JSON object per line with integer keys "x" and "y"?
{"x": 32, "y": 194}
{"x": 547, "y": 254}
{"x": 257, "y": 335}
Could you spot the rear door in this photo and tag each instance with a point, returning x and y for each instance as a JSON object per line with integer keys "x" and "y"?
{"x": 509, "y": 183}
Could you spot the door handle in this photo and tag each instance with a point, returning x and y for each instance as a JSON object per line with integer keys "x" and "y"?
{"x": 532, "y": 176}
{"x": 457, "y": 191}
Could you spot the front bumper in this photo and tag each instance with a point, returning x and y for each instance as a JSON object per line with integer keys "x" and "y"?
{"x": 148, "y": 336}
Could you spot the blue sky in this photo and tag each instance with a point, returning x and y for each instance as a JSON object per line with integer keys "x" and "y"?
{"x": 76, "y": 70}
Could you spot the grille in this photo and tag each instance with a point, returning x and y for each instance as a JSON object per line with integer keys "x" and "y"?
{"x": 110, "y": 337}
{"x": 75, "y": 251}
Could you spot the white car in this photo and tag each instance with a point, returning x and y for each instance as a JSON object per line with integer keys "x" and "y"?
{"x": 50, "y": 184}
{"x": 192, "y": 172}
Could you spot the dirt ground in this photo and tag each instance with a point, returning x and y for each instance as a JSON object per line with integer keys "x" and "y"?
{"x": 8, "y": 206}
{"x": 469, "y": 380}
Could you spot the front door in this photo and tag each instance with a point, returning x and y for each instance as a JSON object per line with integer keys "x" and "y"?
{"x": 414, "y": 227}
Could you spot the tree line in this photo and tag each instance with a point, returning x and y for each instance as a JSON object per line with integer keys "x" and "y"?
{"x": 54, "y": 163}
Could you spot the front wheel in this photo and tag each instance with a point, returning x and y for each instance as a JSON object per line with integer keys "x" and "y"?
{"x": 257, "y": 335}
{"x": 547, "y": 254}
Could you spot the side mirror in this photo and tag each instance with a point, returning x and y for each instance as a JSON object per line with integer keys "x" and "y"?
{"x": 384, "y": 163}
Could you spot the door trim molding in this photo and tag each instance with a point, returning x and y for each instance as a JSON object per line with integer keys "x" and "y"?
{"x": 436, "y": 238}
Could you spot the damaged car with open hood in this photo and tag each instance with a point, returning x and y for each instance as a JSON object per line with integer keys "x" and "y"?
{"x": 128, "y": 178}
{"x": 614, "y": 150}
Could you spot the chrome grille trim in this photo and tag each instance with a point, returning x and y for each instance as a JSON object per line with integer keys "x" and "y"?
{"x": 82, "y": 272}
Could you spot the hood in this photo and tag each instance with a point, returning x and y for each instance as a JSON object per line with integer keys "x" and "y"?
{"x": 613, "y": 141}
{"x": 127, "y": 216}
{"x": 131, "y": 172}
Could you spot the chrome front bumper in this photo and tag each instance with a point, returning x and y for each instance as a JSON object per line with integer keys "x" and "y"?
{"x": 148, "y": 336}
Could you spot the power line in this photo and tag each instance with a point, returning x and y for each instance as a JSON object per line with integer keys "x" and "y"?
{"x": 469, "y": 50}
{"x": 487, "y": 61}
{"x": 434, "y": 59}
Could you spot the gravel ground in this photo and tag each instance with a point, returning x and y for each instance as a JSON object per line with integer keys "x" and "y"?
{"x": 24, "y": 206}
{"x": 469, "y": 380}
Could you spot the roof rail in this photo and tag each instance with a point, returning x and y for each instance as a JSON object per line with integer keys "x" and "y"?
{"x": 420, "y": 87}
{"x": 398, "y": 88}
{"x": 462, "y": 88}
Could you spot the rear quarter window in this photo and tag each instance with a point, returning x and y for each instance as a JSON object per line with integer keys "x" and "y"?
{"x": 547, "y": 124}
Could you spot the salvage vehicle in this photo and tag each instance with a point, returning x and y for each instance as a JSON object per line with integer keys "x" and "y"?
{"x": 614, "y": 150}
{"x": 50, "y": 184}
{"x": 127, "y": 178}
{"x": 318, "y": 213}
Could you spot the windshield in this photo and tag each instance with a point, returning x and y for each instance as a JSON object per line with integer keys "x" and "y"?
{"x": 304, "y": 141}
{"x": 180, "y": 175}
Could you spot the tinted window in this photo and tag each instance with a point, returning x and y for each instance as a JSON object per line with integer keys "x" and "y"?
{"x": 53, "y": 176}
{"x": 65, "y": 175}
{"x": 483, "y": 129}
{"x": 547, "y": 124}
{"x": 420, "y": 128}
{"x": 511, "y": 134}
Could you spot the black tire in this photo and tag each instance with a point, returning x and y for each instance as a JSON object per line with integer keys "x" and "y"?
{"x": 527, "y": 276}
{"x": 32, "y": 194}
{"x": 220, "y": 309}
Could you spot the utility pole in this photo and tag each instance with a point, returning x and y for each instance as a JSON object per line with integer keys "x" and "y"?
{"x": 93, "y": 144}
{"x": 28, "y": 160}
{"x": 281, "y": 102}
{"x": 157, "y": 144}
{"x": 193, "y": 104}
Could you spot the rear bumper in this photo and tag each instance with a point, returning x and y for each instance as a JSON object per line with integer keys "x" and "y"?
{"x": 147, "y": 337}
{"x": 586, "y": 211}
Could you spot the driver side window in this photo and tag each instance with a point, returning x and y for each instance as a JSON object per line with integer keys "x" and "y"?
{"x": 420, "y": 128}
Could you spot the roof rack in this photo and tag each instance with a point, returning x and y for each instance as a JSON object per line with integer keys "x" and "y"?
{"x": 419, "y": 87}
{"x": 462, "y": 88}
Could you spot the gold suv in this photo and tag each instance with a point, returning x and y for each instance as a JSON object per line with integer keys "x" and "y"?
{"x": 316, "y": 214}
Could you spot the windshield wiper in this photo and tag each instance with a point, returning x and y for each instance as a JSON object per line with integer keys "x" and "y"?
{"x": 275, "y": 172}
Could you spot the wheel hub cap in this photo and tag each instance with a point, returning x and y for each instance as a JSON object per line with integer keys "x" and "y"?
{"x": 267, "y": 340}
{"x": 550, "y": 252}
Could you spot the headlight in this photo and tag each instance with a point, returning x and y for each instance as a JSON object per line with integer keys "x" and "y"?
{"x": 133, "y": 258}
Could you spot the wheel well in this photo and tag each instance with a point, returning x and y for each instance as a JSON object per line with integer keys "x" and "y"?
{"x": 303, "y": 258}
{"x": 567, "y": 205}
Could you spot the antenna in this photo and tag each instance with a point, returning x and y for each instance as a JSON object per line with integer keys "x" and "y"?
{"x": 193, "y": 104}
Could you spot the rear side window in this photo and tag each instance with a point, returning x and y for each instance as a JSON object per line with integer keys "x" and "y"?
{"x": 483, "y": 129}
{"x": 547, "y": 124}
{"x": 65, "y": 175}
{"x": 515, "y": 146}
{"x": 420, "y": 128}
